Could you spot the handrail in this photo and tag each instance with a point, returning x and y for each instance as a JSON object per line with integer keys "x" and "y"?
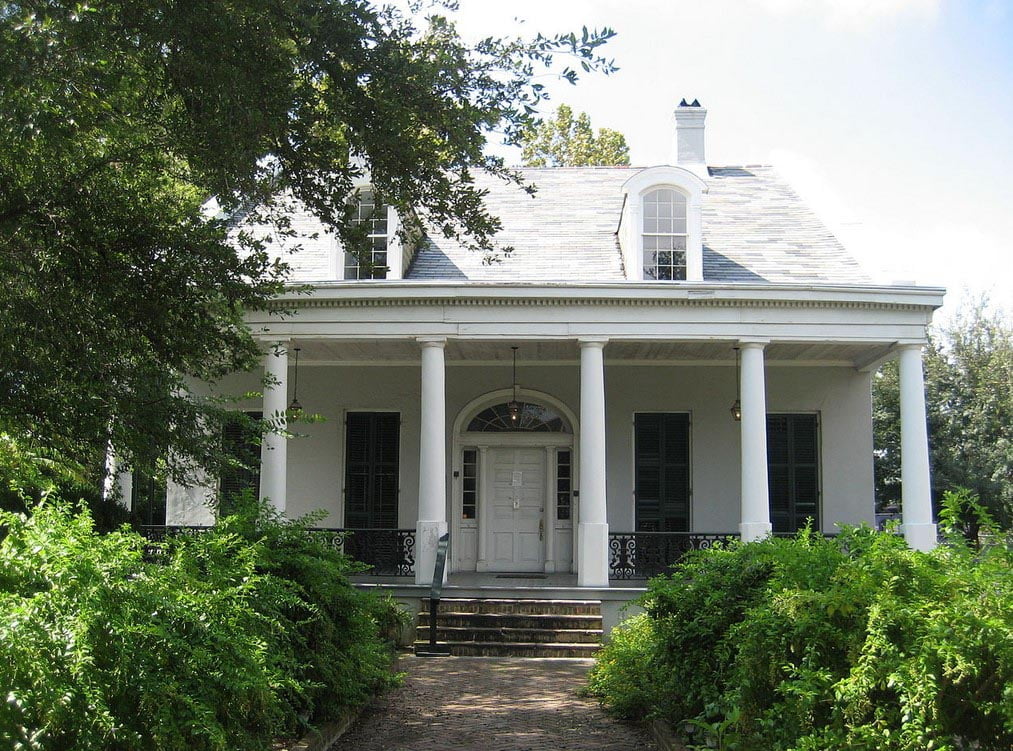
{"x": 435, "y": 591}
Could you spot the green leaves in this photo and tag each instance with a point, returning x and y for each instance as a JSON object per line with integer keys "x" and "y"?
{"x": 969, "y": 400}
{"x": 567, "y": 142}
{"x": 120, "y": 118}
{"x": 235, "y": 637}
{"x": 806, "y": 644}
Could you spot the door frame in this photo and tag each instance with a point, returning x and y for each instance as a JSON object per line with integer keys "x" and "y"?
{"x": 484, "y": 441}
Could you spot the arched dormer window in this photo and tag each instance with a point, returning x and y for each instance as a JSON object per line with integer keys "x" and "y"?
{"x": 664, "y": 234}
{"x": 661, "y": 233}
{"x": 371, "y": 217}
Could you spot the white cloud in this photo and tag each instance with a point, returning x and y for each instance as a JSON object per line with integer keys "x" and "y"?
{"x": 857, "y": 14}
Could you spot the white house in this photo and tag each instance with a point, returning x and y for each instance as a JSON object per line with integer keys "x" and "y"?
{"x": 640, "y": 304}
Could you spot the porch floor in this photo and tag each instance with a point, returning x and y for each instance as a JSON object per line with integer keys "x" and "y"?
{"x": 505, "y": 586}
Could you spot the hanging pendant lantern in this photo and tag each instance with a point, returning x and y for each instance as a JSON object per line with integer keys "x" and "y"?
{"x": 736, "y": 409}
{"x": 295, "y": 406}
{"x": 514, "y": 407}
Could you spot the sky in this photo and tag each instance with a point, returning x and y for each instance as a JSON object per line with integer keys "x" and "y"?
{"x": 892, "y": 118}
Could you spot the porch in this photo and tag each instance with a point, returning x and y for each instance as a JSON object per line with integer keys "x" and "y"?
{"x": 630, "y": 451}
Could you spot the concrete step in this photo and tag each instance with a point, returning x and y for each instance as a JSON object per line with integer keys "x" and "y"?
{"x": 520, "y": 606}
{"x": 458, "y": 634}
{"x": 514, "y": 627}
{"x": 513, "y": 620}
{"x": 517, "y": 649}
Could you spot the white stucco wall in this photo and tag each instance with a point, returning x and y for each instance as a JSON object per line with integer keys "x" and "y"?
{"x": 840, "y": 395}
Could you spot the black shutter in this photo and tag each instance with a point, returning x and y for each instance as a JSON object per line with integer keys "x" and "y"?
{"x": 241, "y": 468}
{"x": 372, "y": 441}
{"x": 661, "y": 472}
{"x": 793, "y": 471}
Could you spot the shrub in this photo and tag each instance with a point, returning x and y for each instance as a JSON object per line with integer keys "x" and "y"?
{"x": 234, "y": 637}
{"x": 850, "y": 643}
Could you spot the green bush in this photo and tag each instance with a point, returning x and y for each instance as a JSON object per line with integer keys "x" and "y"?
{"x": 232, "y": 638}
{"x": 851, "y": 643}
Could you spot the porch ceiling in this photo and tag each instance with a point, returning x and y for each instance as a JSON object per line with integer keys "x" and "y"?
{"x": 465, "y": 351}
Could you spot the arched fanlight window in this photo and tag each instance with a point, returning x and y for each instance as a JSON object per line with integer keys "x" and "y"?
{"x": 533, "y": 418}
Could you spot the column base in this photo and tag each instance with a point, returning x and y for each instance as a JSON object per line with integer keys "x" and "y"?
{"x": 481, "y": 565}
{"x": 593, "y": 555}
{"x": 427, "y": 537}
{"x": 920, "y": 536}
{"x": 750, "y": 531}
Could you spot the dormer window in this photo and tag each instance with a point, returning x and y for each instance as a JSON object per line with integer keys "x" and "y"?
{"x": 661, "y": 229}
{"x": 372, "y": 216}
{"x": 664, "y": 234}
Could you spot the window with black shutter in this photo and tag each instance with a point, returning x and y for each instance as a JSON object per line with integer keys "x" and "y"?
{"x": 241, "y": 463}
{"x": 793, "y": 471}
{"x": 372, "y": 441}
{"x": 147, "y": 498}
{"x": 661, "y": 468}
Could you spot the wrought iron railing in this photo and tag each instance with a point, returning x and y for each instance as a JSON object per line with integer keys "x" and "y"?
{"x": 388, "y": 552}
{"x": 641, "y": 555}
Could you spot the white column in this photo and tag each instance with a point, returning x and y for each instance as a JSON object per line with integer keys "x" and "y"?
{"x": 916, "y": 496}
{"x": 755, "y": 514}
{"x": 432, "y": 521}
{"x": 483, "y": 507}
{"x": 118, "y": 482}
{"x": 592, "y": 556}
{"x": 274, "y": 447}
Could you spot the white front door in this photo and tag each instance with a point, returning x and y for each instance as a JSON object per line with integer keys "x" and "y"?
{"x": 516, "y": 531}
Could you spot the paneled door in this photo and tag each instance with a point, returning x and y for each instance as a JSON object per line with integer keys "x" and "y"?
{"x": 516, "y": 509}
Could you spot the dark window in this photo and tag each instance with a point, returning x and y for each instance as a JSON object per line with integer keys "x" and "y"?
{"x": 793, "y": 471}
{"x": 371, "y": 469}
{"x": 661, "y": 483}
{"x": 564, "y": 484}
{"x": 241, "y": 462}
{"x": 147, "y": 498}
{"x": 469, "y": 501}
{"x": 531, "y": 418}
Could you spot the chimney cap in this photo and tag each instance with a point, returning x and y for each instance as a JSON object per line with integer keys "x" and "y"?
{"x": 683, "y": 103}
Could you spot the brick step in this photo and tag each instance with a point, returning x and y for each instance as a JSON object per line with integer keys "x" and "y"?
{"x": 516, "y": 649}
{"x": 454, "y": 635}
{"x": 524, "y": 606}
{"x": 513, "y": 620}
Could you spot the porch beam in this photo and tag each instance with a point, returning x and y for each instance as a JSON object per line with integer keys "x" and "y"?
{"x": 592, "y": 551}
{"x": 273, "y": 445}
{"x": 755, "y": 512}
{"x": 871, "y": 362}
{"x": 432, "y": 519}
{"x": 916, "y": 496}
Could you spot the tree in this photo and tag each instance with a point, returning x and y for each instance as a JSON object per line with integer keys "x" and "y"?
{"x": 969, "y": 401}
{"x": 119, "y": 118}
{"x": 565, "y": 141}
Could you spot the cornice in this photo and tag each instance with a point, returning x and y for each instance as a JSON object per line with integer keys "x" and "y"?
{"x": 582, "y": 301}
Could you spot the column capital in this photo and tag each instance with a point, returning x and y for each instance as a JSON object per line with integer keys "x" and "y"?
{"x": 752, "y": 343}
{"x": 902, "y": 346}
{"x": 598, "y": 342}
{"x": 432, "y": 341}
{"x": 268, "y": 339}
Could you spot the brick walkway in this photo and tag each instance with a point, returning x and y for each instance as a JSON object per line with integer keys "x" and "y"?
{"x": 490, "y": 704}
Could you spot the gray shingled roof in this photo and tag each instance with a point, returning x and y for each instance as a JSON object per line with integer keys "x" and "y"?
{"x": 755, "y": 229}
